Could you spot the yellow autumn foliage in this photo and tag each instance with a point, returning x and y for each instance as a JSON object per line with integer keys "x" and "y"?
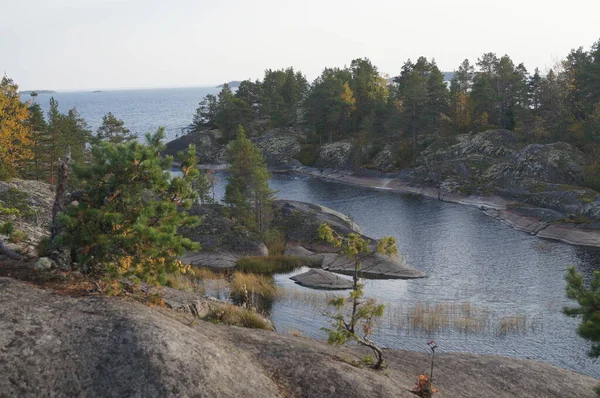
{"x": 15, "y": 134}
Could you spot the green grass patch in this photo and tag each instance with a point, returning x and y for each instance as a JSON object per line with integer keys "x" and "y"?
{"x": 270, "y": 264}
{"x": 575, "y": 220}
{"x": 538, "y": 188}
{"x": 587, "y": 196}
{"x": 567, "y": 188}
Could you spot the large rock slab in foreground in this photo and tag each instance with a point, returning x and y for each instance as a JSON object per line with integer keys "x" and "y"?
{"x": 94, "y": 346}
{"x": 321, "y": 279}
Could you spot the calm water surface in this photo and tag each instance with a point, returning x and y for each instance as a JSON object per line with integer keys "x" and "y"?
{"x": 470, "y": 259}
{"x": 142, "y": 111}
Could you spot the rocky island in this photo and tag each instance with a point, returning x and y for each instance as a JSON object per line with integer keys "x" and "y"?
{"x": 536, "y": 188}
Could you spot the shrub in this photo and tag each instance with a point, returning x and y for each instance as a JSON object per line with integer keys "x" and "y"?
{"x": 308, "y": 155}
{"x": 17, "y": 236}
{"x": 7, "y": 228}
{"x": 126, "y": 222}
{"x": 275, "y": 241}
{"x": 44, "y": 247}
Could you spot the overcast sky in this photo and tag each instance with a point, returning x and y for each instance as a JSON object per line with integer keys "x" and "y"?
{"x": 101, "y": 44}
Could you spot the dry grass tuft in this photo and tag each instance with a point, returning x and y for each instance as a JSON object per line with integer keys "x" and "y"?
{"x": 228, "y": 314}
{"x": 253, "y": 284}
{"x": 515, "y": 324}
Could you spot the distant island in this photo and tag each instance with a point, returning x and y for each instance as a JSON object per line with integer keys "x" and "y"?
{"x": 97, "y": 91}
{"x": 38, "y": 91}
{"x": 232, "y": 84}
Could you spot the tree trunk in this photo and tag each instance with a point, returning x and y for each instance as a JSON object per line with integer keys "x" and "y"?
{"x": 378, "y": 353}
{"x": 354, "y": 299}
{"x": 59, "y": 204}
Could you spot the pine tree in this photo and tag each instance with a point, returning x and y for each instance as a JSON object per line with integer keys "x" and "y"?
{"x": 125, "y": 223}
{"x": 38, "y": 166}
{"x": 54, "y": 132}
{"x": 362, "y": 312}
{"x": 231, "y": 112}
{"x": 206, "y": 113}
{"x": 75, "y": 135}
{"x": 113, "y": 130}
{"x": 589, "y": 307}
{"x": 247, "y": 193}
{"x": 64, "y": 132}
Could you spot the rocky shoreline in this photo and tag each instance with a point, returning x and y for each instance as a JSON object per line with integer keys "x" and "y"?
{"x": 536, "y": 188}
{"x": 495, "y": 206}
{"x": 112, "y": 346}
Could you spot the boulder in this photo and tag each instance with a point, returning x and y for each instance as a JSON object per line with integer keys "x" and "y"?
{"x": 375, "y": 266}
{"x": 34, "y": 199}
{"x": 321, "y": 279}
{"x": 210, "y": 147}
{"x": 221, "y": 244}
{"x": 337, "y": 155}
{"x": 300, "y": 220}
{"x": 279, "y": 146}
{"x": 43, "y": 263}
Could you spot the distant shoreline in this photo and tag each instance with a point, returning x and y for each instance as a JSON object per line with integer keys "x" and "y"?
{"x": 37, "y": 92}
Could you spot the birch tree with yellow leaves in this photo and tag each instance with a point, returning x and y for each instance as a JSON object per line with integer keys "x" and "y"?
{"x": 15, "y": 133}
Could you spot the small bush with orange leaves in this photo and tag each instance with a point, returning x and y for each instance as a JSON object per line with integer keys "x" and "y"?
{"x": 423, "y": 388}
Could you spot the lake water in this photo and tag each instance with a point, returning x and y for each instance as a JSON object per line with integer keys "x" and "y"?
{"x": 473, "y": 263}
{"x": 142, "y": 111}
{"x": 478, "y": 269}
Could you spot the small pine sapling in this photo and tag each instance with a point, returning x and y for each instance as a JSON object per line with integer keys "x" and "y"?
{"x": 363, "y": 312}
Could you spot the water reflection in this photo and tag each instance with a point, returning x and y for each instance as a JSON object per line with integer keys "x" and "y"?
{"x": 469, "y": 258}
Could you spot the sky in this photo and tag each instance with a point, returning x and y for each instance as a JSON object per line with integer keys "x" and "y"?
{"x": 109, "y": 44}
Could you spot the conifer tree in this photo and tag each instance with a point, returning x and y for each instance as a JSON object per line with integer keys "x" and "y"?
{"x": 588, "y": 299}
{"x": 113, "y": 130}
{"x": 126, "y": 221}
{"x": 362, "y": 312}
{"x": 247, "y": 193}
{"x": 37, "y": 168}
{"x": 64, "y": 132}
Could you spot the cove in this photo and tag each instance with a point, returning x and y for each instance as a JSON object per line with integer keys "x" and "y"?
{"x": 503, "y": 278}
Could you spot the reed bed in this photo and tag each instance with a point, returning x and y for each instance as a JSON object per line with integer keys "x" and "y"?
{"x": 462, "y": 317}
{"x": 270, "y": 264}
{"x": 316, "y": 301}
{"x": 244, "y": 284}
{"x": 516, "y": 324}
